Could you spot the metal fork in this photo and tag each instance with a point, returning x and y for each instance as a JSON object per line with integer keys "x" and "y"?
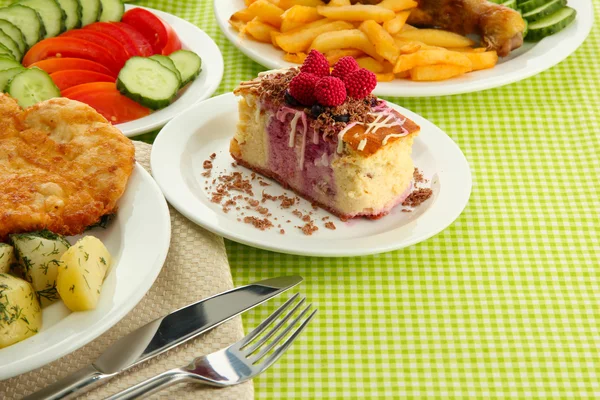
{"x": 235, "y": 364}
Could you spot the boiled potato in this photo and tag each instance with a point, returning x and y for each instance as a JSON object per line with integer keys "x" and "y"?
{"x": 38, "y": 254}
{"x": 7, "y": 258}
{"x": 81, "y": 273}
{"x": 20, "y": 312}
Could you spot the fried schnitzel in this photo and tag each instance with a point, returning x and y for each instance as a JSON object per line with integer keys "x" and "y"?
{"x": 62, "y": 166}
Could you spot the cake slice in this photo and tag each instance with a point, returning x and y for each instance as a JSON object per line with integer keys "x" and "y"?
{"x": 352, "y": 158}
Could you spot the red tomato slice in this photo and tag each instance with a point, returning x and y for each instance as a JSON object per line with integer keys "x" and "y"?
{"x": 88, "y": 88}
{"x": 71, "y": 48}
{"x": 173, "y": 42}
{"x": 111, "y": 45}
{"x": 116, "y": 33}
{"x": 148, "y": 25}
{"x": 143, "y": 45}
{"x": 60, "y": 64}
{"x": 114, "y": 106}
{"x": 73, "y": 77}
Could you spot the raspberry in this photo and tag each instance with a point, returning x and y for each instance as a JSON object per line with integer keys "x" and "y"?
{"x": 344, "y": 66}
{"x": 360, "y": 84}
{"x": 330, "y": 91}
{"x": 315, "y": 63}
{"x": 302, "y": 88}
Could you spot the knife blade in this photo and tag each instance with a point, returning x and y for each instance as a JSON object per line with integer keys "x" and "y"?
{"x": 164, "y": 333}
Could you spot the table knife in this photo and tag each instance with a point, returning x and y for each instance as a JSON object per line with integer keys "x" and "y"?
{"x": 164, "y": 333}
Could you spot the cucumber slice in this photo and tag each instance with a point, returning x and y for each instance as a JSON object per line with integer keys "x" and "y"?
{"x": 11, "y": 45}
{"x": 72, "y": 10}
{"x": 547, "y": 9}
{"x": 7, "y": 62}
{"x": 32, "y": 86}
{"x": 90, "y": 11}
{"x": 551, "y": 24}
{"x": 52, "y": 15}
{"x": 5, "y": 51}
{"x": 112, "y": 10}
{"x": 14, "y": 33}
{"x": 531, "y": 5}
{"x": 7, "y": 74}
{"x": 188, "y": 63}
{"x": 167, "y": 62}
{"x": 148, "y": 82}
{"x": 27, "y": 20}
{"x": 510, "y": 4}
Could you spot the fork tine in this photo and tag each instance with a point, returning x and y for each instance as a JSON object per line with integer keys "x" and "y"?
{"x": 279, "y": 337}
{"x": 279, "y": 352}
{"x": 263, "y": 325}
{"x": 273, "y": 330}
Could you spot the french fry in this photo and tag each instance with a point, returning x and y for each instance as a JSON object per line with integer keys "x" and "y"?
{"x": 395, "y": 25}
{"x": 381, "y": 39}
{"x": 482, "y": 60}
{"x": 339, "y": 3}
{"x": 274, "y": 2}
{"x": 371, "y": 64}
{"x": 299, "y": 40}
{"x": 437, "y": 37}
{"x": 244, "y": 15}
{"x": 287, "y": 25}
{"x": 248, "y": 2}
{"x": 286, "y": 4}
{"x": 409, "y": 47}
{"x": 297, "y": 58}
{"x": 431, "y": 57}
{"x": 334, "y": 56}
{"x": 403, "y": 75}
{"x": 385, "y": 77}
{"x": 469, "y": 49}
{"x": 437, "y": 72}
{"x": 407, "y": 27}
{"x": 350, "y": 38}
{"x": 274, "y": 35}
{"x": 259, "y": 30}
{"x": 398, "y": 5}
{"x": 267, "y": 12}
{"x": 300, "y": 13}
{"x": 238, "y": 25}
{"x": 357, "y": 12}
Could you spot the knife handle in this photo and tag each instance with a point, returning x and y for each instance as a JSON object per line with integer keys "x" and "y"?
{"x": 71, "y": 386}
{"x": 151, "y": 386}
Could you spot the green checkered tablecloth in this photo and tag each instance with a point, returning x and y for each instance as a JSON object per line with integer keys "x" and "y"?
{"x": 505, "y": 303}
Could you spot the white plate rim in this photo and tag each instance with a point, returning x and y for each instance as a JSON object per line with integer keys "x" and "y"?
{"x": 165, "y": 161}
{"x": 75, "y": 341}
{"x": 204, "y": 86}
{"x": 542, "y": 56}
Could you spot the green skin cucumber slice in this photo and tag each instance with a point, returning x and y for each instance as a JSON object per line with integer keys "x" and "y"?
{"x": 551, "y": 24}
{"x": 31, "y": 87}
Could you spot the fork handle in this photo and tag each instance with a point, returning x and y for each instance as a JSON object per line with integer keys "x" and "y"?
{"x": 151, "y": 386}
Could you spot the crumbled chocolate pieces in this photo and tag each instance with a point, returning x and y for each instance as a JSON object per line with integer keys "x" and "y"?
{"x": 309, "y": 228}
{"x": 259, "y": 223}
{"x": 418, "y": 176}
{"x": 417, "y": 197}
{"x": 330, "y": 225}
{"x": 207, "y": 164}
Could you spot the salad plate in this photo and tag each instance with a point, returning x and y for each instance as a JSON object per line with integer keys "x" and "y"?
{"x": 186, "y": 143}
{"x": 527, "y": 61}
{"x": 194, "y": 39}
{"x": 138, "y": 239}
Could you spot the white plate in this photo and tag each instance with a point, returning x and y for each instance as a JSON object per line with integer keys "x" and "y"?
{"x": 184, "y": 143}
{"x": 138, "y": 239}
{"x": 529, "y": 60}
{"x": 194, "y": 39}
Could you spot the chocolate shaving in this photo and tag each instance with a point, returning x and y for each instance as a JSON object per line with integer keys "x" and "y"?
{"x": 330, "y": 225}
{"x": 417, "y": 197}
{"x": 258, "y": 223}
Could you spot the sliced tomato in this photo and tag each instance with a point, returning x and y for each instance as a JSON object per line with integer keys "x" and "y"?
{"x": 114, "y": 106}
{"x": 73, "y": 77}
{"x": 71, "y": 48}
{"x": 143, "y": 45}
{"x": 116, "y": 33}
{"x": 173, "y": 42}
{"x": 88, "y": 88}
{"x": 115, "y": 48}
{"x": 148, "y": 25}
{"x": 60, "y": 64}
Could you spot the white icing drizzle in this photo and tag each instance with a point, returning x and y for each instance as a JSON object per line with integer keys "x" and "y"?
{"x": 298, "y": 115}
{"x": 293, "y": 130}
{"x": 302, "y": 151}
{"x": 340, "y": 144}
{"x": 323, "y": 161}
{"x": 383, "y": 120}
{"x": 393, "y": 135}
{"x": 257, "y": 114}
{"x": 315, "y": 137}
{"x": 362, "y": 144}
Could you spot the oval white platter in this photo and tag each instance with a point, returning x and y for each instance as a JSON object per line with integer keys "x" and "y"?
{"x": 529, "y": 60}
{"x": 138, "y": 239}
{"x": 188, "y": 140}
{"x": 194, "y": 39}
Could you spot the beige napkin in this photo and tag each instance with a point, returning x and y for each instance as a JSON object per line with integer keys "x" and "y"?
{"x": 196, "y": 267}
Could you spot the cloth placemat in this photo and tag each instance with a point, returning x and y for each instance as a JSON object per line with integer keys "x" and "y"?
{"x": 196, "y": 267}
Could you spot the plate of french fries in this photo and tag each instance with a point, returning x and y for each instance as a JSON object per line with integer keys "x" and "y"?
{"x": 408, "y": 61}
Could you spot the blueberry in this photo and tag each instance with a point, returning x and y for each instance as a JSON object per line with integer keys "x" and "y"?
{"x": 317, "y": 110}
{"x": 290, "y": 99}
{"x": 342, "y": 118}
{"x": 374, "y": 102}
